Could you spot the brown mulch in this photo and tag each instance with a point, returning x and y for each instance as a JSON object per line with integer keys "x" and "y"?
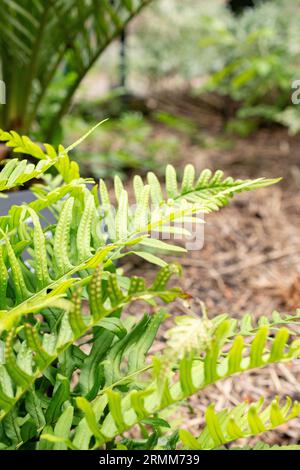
{"x": 250, "y": 261}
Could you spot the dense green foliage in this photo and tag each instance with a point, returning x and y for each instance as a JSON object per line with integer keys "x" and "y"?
{"x": 76, "y": 371}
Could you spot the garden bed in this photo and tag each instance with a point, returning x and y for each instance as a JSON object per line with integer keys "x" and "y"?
{"x": 250, "y": 260}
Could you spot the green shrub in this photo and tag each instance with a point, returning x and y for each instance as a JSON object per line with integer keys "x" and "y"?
{"x": 76, "y": 371}
{"x": 252, "y": 58}
{"x": 258, "y": 55}
{"x": 164, "y": 42}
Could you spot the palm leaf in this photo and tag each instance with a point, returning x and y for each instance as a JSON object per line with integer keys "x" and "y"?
{"x": 38, "y": 44}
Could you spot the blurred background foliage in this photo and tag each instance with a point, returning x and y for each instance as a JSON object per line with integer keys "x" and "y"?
{"x": 251, "y": 58}
{"x": 175, "y": 62}
{"x": 238, "y": 65}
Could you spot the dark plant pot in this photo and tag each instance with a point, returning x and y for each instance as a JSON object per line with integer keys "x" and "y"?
{"x": 22, "y": 197}
{"x": 15, "y": 198}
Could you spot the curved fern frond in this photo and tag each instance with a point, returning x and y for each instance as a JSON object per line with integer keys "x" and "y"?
{"x": 244, "y": 420}
{"x": 219, "y": 361}
{"x": 80, "y": 240}
{"x": 154, "y": 212}
{"x": 16, "y": 173}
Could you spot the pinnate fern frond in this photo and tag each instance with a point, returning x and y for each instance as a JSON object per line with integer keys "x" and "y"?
{"x": 244, "y": 420}
{"x": 222, "y": 359}
{"x": 16, "y": 172}
{"x": 80, "y": 240}
{"x": 208, "y": 184}
{"x": 155, "y": 211}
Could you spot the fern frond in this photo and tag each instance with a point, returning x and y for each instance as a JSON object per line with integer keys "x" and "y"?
{"x": 209, "y": 184}
{"x": 43, "y": 350}
{"x": 244, "y": 420}
{"x": 16, "y": 173}
{"x": 246, "y": 326}
{"x": 76, "y": 247}
{"x": 195, "y": 373}
{"x": 154, "y": 212}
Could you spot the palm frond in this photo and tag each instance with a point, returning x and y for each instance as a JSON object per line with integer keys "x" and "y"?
{"x": 39, "y": 45}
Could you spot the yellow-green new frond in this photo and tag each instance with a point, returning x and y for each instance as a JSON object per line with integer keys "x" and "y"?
{"x": 221, "y": 359}
{"x": 156, "y": 208}
{"x": 244, "y": 420}
{"x": 16, "y": 173}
